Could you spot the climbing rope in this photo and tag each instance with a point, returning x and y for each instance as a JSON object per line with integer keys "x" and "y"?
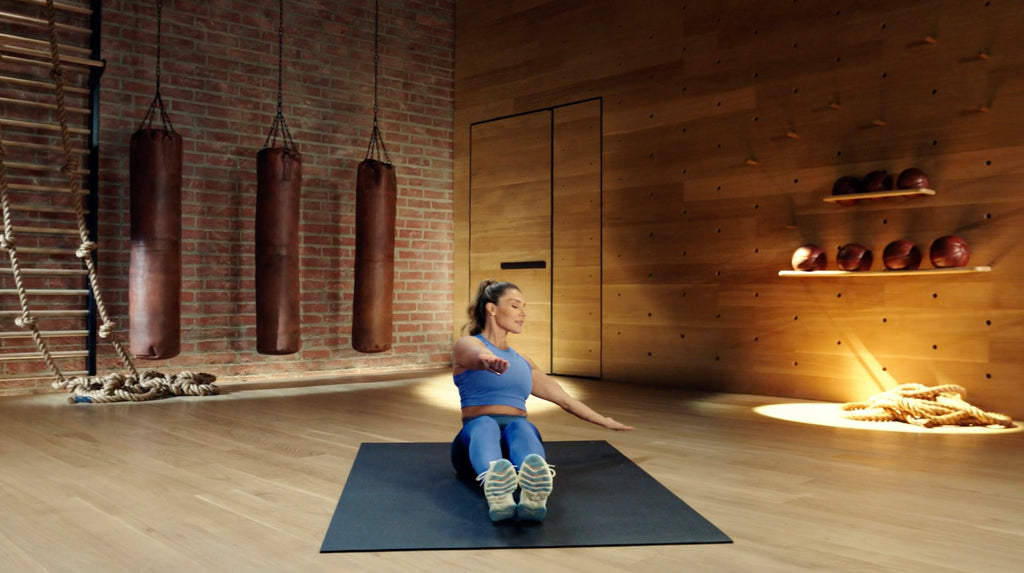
{"x": 116, "y": 387}
{"x": 924, "y": 406}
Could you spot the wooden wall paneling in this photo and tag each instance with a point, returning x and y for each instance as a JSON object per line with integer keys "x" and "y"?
{"x": 510, "y": 217}
{"x": 576, "y": 240}
{"x": 723, "y": 131}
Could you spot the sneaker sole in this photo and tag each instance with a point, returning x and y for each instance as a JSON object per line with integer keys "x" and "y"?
{"x": 503, "y": 513}
{"x": 535, "y": 479}
{"x": 531, "y": 513}
{"x": 498, "y": 491}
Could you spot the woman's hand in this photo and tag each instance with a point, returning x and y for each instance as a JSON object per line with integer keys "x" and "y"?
{"x": 611, "y": 424}
{"x": 492, "y": 363}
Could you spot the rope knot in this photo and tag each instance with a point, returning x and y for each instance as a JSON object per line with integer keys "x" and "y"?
{"x": 7, "y": 242}
{"x": 85, "y": 249}
{"x": 25, "y": 321}
{"x": 71, "y": 167}
{"x": 106, "y": 329}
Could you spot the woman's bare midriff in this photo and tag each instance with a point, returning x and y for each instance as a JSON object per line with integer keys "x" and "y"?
{"x": 474, "y": 411}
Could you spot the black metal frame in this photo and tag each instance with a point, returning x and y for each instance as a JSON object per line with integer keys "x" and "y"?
{"x": 92, "y": 200}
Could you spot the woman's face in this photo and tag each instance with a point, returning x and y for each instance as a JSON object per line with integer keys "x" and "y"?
{"x": 510, "y": 312}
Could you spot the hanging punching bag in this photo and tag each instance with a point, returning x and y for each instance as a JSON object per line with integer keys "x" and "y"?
{"x": 376, "y": 197}
{"x": 154, "y": 274}
{"x": 278, "y": 194}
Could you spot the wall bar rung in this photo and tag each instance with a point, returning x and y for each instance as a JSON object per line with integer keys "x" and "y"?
{"x": 39, "y": 22}
{"x": 43, "y": 44}
{"x": 44, "y": 188}
{"x": 46, "y": 333}
{"x": 71, "y": 312}
{"x": 41, "y": 105}
{"x": 34, "y": 356}
{"x": 46, "y": 272}
{"x": 48, "y": 59}
{"x": 42, "y": 85}
{"x": 46, "y": 291}
{"x": 42, "y": 126}
{"x": 62, "y": 7}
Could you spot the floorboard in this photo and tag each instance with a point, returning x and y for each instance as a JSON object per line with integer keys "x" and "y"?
{"x": 247, "y": 481}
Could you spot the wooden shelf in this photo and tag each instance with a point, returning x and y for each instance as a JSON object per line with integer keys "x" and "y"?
{"x": 880, "y": 195}
{"x": 886, "y": 273}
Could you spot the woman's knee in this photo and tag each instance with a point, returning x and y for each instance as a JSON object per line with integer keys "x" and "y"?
{"x": 522, "y": 435}
{"x": 520, "y": 427}
{"x": 483, "y": 427}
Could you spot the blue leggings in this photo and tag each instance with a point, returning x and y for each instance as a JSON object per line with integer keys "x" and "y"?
{"x": 484, "y": 439}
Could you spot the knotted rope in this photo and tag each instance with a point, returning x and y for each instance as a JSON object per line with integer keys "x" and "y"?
{"x": 924, "y": 406}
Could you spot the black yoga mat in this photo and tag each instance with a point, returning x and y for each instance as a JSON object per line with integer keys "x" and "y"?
{"x": 402, "y": 497}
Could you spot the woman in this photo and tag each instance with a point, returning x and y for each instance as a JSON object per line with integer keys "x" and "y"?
{"x": 494, "y": 382}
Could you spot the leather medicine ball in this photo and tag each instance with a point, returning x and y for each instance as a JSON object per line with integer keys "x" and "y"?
{"x": 809, "y": 258}
{"x": 901, "y": 255}
{"x": 949, "y": 251}
{"x": 847, "y": 185}
{"x": 877, "y": 181}
{"x": 854, "y": 257}
{"x": 913, "y": 178}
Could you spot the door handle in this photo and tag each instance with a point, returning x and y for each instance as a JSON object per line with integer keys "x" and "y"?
{"x": 515, "y": 265}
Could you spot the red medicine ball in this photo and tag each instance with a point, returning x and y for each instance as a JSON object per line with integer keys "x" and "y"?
{"x": 877, "y": 181}
{"x": 913, "y": 178}
{"x": 809, "y": 258}
{"x": 901, "y": 255}
{"x": 847, "y": 185}
{"x": 949, "y": 251}
{"x": 854, "y": 257}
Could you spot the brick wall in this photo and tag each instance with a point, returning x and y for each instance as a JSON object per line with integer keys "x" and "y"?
{"x": 219, "y": 82}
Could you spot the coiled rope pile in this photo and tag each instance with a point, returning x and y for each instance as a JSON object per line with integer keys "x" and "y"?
{"x": 149, "y": 385}
{"x": 924, "y": 406}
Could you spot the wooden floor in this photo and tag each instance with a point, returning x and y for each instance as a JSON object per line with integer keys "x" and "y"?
{"x": 247, "y": 481}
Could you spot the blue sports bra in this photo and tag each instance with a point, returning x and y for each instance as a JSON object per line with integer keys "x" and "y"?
{"x": 485, "y": 388}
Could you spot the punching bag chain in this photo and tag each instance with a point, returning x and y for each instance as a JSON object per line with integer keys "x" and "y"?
{"x": 279, "y": 126}
{"x": 376, "y": 146}
{"x": 158, "y": 102}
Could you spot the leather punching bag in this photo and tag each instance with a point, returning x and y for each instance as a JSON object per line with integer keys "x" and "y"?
{"x": 154, "y": 274}
{"x": 376, "y": 198}
{"x": 278, "y": 194}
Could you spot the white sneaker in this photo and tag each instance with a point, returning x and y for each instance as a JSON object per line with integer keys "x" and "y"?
{"x": 536, "y": 479}
{"x": 500, "y": 482}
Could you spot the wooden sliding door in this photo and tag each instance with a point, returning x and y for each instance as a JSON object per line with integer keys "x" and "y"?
{"x": 535, "y": 221}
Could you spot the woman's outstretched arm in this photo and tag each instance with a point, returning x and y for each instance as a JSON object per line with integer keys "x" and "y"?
{"x": 546, "y": 388}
